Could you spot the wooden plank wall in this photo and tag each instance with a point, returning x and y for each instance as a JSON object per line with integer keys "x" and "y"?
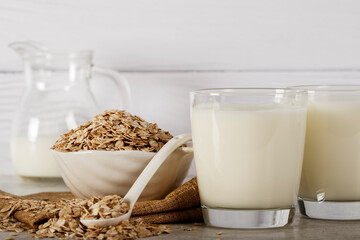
{"x": 167, "y": 48}
{"x": 190, "y": 34}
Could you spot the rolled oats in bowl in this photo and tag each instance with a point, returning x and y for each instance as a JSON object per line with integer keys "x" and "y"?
{"x": 111, "y": 131}
{"x": 106, "y": 155}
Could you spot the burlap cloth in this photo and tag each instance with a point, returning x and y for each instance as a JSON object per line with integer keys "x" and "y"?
{"x": 181, "y": 205}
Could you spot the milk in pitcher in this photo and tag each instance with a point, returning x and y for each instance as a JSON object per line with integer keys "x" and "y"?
{"x": 34, "y": 159}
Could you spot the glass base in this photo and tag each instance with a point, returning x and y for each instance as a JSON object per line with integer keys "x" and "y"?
{"x": 330, "y": 210}
{"x": 247, "y": 219}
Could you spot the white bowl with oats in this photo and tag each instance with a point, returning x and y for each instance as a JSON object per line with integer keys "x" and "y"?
{"x": 106, "y": 155}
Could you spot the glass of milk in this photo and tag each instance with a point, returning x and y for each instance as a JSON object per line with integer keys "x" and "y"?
{"x": 330, "y": 183}
{"x": 248, "y": 149}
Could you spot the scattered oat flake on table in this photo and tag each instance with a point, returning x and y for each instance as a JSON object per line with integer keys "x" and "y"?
{"x": 112, "y": 131}
{"x": 191, "y": 229}
{"x": 62, "y": 219}
{"x": 218, "y": 233}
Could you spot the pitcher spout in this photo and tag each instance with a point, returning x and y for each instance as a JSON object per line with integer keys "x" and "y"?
{"x": 25, "y": 47}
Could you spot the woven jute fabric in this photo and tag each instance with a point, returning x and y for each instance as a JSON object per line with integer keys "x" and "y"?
{"x": 184, "y": 197}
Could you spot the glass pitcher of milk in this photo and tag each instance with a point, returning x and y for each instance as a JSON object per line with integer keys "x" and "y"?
{"x": 57, "y": 98}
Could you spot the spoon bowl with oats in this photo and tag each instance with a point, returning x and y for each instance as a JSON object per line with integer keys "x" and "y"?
{"x": 132, "y": 196}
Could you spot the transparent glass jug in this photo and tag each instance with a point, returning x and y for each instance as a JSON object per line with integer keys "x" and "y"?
{"x": 57, "y": 98}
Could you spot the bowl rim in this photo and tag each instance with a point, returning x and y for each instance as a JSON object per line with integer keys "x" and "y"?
{"x": 185, "y": 149}
{"x": 104, "y": 151}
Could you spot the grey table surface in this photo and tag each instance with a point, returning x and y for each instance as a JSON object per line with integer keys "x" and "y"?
{"x": 302, "y": 227}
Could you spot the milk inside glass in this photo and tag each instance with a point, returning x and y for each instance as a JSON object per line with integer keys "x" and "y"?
{"x": 34, "y": 158}
{"x": 247, "y": 157}
{"x": 331, "y": 168}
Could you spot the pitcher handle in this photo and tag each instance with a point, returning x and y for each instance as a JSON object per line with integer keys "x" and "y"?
{"x": 121, "y": 83}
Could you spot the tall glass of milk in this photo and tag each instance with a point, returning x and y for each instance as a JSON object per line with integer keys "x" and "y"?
{"x": 248, "y": 149}
{"x": 330, "y": 184}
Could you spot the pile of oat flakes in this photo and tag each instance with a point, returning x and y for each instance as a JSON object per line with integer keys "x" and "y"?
{"x": 110, "y": 131}
{"x": 114, "y": 130}
{"x": 62, "y": 219}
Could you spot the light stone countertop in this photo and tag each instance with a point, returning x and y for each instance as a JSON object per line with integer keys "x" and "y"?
{"x": 302, "y": 228}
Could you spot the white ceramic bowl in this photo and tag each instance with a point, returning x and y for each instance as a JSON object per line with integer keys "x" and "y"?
{"x": 100, "y": 173}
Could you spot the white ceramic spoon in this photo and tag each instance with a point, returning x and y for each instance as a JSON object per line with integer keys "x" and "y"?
{"x": 133, "y": 194}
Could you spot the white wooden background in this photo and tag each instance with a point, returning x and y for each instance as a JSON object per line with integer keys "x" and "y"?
{"x": 168, "y": 47}
{"x": 190, "y": 34}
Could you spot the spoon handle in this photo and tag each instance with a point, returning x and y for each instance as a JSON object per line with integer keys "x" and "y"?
{"x": 143, "y": 179}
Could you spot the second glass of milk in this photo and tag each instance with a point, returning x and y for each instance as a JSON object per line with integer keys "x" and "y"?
{"x": 330, "y": 184}
{"x": 248, "y": 149}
